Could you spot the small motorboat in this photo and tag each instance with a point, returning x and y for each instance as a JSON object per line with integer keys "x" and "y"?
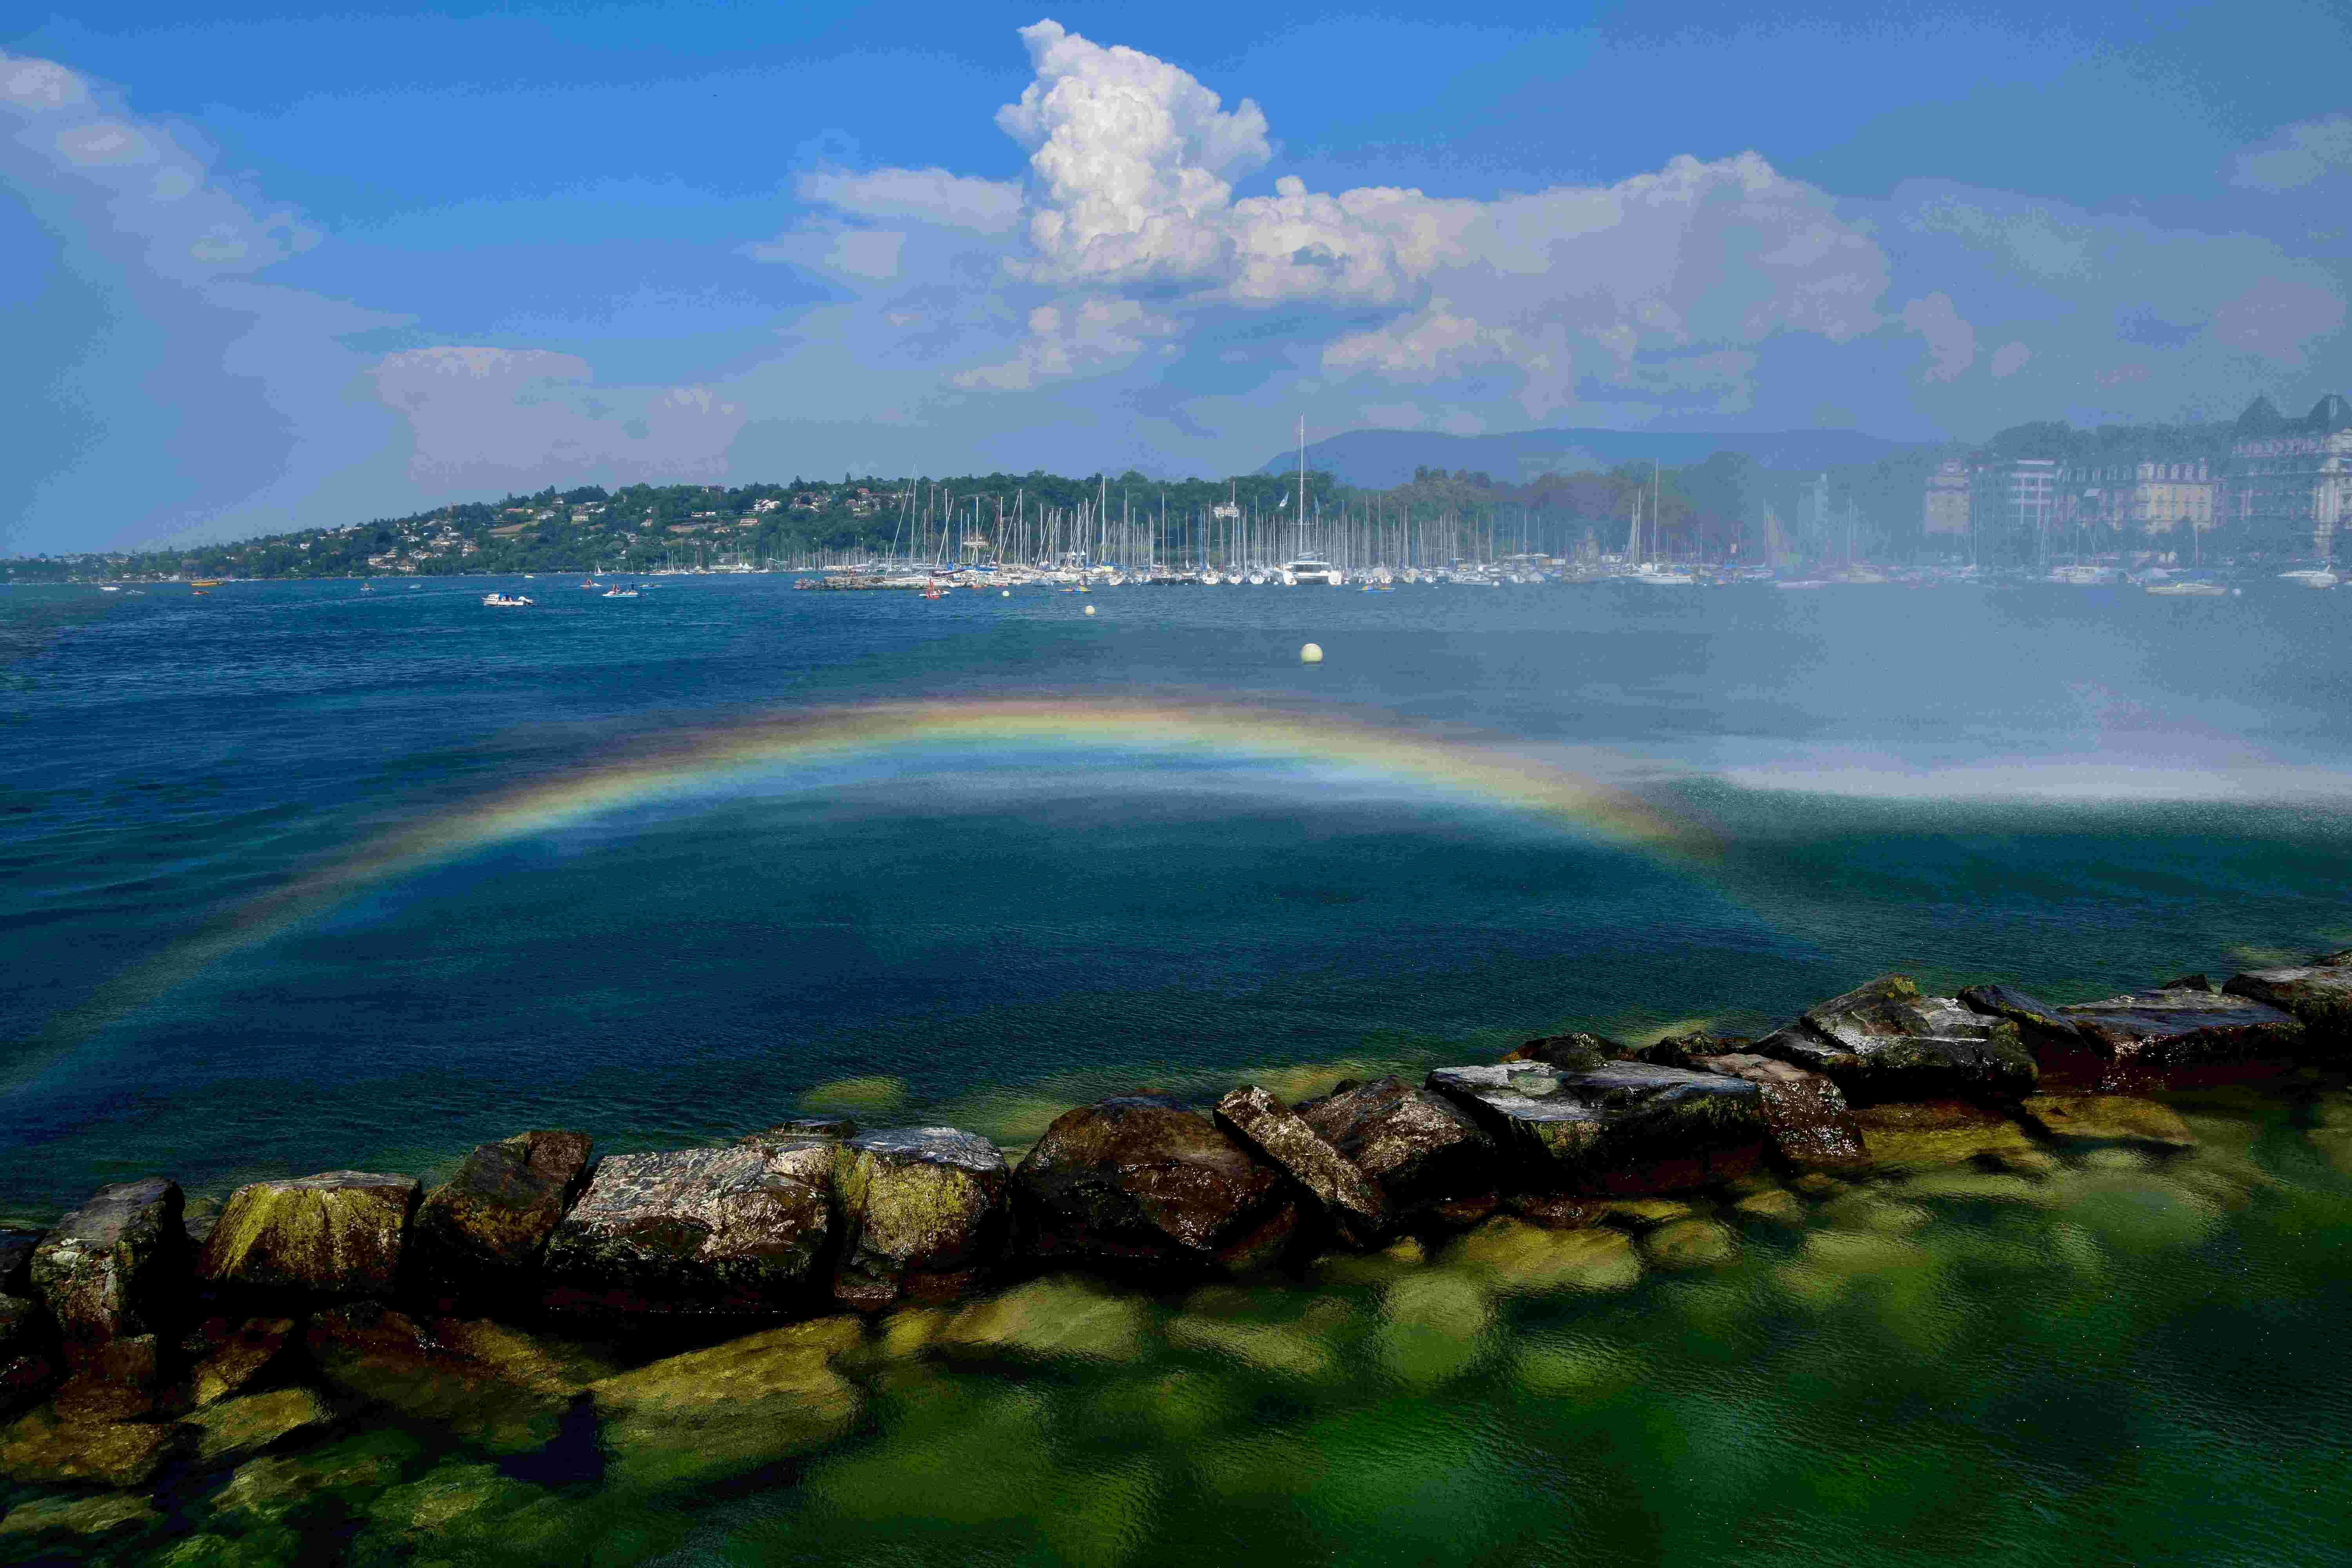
{"x": 619, "y": 593}
{"x": 505, "y": 601}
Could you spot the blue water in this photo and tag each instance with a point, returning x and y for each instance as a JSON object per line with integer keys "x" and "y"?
{"x": 2078, "y": 789}
{"x": 2084, "y": 1357}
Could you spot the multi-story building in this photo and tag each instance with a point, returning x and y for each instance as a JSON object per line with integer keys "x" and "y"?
{"x": 2290, "y": 481}
{"x": 2013, "y": 506}
{"x": 2125, "y": 499}
{"x": 1947, "y": 501}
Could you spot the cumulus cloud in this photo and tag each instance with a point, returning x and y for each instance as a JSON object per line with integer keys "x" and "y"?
{"x": 1951, "y": 342}
{"x": 2300, "y": 155}
{"x": 2009, "y": 359}
{"x": 1074, "y": 337}
{"x": 481, "y": 409}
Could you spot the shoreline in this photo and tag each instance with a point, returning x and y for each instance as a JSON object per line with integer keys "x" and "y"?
{"x": 130, "y": 1339}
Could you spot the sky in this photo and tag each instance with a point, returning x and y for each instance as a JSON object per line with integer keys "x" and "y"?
{"x": 267, "y": 265}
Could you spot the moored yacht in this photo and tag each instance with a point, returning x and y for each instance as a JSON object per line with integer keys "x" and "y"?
{"x": 1308, "y": 570}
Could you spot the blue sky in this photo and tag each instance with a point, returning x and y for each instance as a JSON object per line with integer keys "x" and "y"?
{"x": 268, "y": 266}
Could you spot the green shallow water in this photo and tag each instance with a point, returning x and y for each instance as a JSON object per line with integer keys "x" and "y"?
{"x": 2079, "y": 1356}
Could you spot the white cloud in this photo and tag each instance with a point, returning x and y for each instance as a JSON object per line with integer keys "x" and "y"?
{"x": 157, "y": 194}
{"x": 487, "y": 410}
{"x": 2300, "y": 155}
{"x": 926, "y": 195}
{"x": 1951, "y": 341}
{"x": 1079, "y": 336}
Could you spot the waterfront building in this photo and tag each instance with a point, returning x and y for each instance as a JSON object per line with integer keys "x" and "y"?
{"x": 2013, "y": 505}
{"x": 1947, "y": 501}
{"x": 2127, "y": 498}
{"x": 2290, "y": 481}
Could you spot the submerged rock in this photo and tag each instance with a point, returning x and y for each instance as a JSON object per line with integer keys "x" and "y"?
{"x": 1357, "y": 1207}
{"x": 1515, "y": 1257}
{"x": 2106, "y": 1118}
{"x": 1627, "y": 1128}
{"x": 695, "y": 1230}
{"x": 839, "y": 1129}
{"x": 749, "y": 1401}
{"x": 483, "y": 1231}
{"x": 1885, "y": 1041}
{"x": 113, "y": 1266}
{"x": 1138, "y": 1182}
{"x": 2179, "y": 1039}
{"x": 1691, "y": 1244}
{"x": 226, "y": 1357}
{"x": 43, "y": 1449}
{"x": 85, "y": 1516}
{"x": 922, "y": 1210}
{"x": 1804, "y": 1112}
{"x": 2319, "y": 993}
{"x": 1050, "y": 1319}
{"x": 497, "y": 1384}
{"x": 1419, "y": 1148}
{"x": 254, "y": 1421}
{"x": 1923, "y": 1134}
{"x": 335, "y": 1235}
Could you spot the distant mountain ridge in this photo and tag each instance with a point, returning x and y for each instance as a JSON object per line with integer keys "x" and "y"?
{"x": 1380, "y": 459}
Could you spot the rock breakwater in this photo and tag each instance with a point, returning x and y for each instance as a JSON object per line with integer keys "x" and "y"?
{"x": 130, "y": 1348}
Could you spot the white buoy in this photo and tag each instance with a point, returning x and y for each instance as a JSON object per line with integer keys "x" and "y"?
{"x": 1007, "y": 591}
{"x": 1090, "y": 609}
{"x": 1311, "y": 653}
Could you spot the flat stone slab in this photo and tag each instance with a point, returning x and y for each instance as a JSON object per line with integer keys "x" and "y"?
{"x": 338, "y": 1234}
{"x": 695, "y": 1231}
{"x": 1629, "y": 1128}
{"x": 1810, "y": 1127}
{"x": 2184, "y": 1038}
{"x": 923, "y": 1209}
{"x": 1422, "y": 1149}
{"x": 2319, "y": 994}
{"x": 108, "y": 1269}
{"x": 1575, "y": 1052}
{"x": 1138, "y": 1182}
{"x": 1282, "y": 1136}
{"x": 485, "y": 1228}
{"x": 1885, "y": 1041}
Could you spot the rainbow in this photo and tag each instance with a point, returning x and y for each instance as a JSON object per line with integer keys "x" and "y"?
{"x": 657, "y": 766}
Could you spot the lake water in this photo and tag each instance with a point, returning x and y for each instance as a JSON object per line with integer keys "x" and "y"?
{"x": 299, "y": 878}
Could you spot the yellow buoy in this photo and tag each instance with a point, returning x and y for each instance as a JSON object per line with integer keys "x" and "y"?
{"x": 1311, "y": 653}
{"x": 1090, "y": 609}
{"x": 1007, "y": 591}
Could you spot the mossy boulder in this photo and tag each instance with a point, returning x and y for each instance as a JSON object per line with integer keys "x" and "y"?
{"x": 1924, "y": 1134}
{"x": 1623, "y": 1128}
{"x": 2319, "y": 993}
{"x": 116, "y": 1266}
{"x": 1354, "y": 1203}
{"x": 1575, "y": 1052}
{"x": 1886, "y": 1042}
{"x": 1422, "y": 1150}
{"x": 336, "y": 1235}
{"x": 1138, "y": 1183}
{"x": 923, "y": 1212}
{"x": 1806, "y": 1115}
{"x": 480, "y": 1234}
{"x": 693, "y": 1231}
